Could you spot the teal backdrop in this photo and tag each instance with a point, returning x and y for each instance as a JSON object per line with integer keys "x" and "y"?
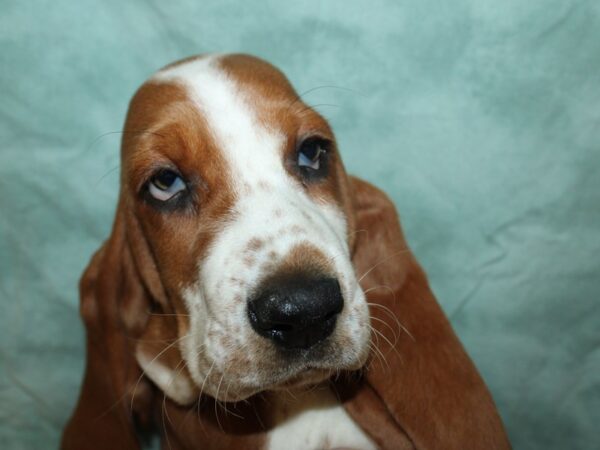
{"x": 480, "y": 118}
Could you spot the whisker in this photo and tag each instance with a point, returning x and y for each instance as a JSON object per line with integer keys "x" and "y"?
{"x": 299, "y": 97}
{"x": 377, "y": 351}
{"x": 374, "y": 288}
{"x": 226, "y": 396}
{"x": 217, "y": 401}
{"x": 151, "y": 341}
{"x": 163, "y": 413}
{"x": 257, "y": 415}
{"x": 177, "y": 370}
{"x": 99, "y": 138}
{"x": 291, "y": 394}
{"x": 395, "y": 335}
{"x": 200, "y": 398}
{"x": 391, "y": 313}
{"x": 379, "y": 355}
{"x": 333, "y": 387}
{"x": 106, "y": 174}
{"x": 109, "y": 133}
{"x": 329, "y": 86}
{"x": 168, "y": 315}
{"x": 392, "y": 346}
{"x": 205, "y": 379}
{"x": 309, "y": 107}
{"x": 406, "y": 250}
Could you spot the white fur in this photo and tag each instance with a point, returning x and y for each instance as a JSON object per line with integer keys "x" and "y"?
{"x": 219, "y": 328}
{"x": 314, "y": 420}
{"x": 170, "y": 381}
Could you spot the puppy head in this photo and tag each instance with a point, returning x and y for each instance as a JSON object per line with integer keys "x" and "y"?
{"x": 236, "y": 191}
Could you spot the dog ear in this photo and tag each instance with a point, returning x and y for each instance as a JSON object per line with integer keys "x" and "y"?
{"x": 114, "y": 307}
{"x": 420, "y": 386}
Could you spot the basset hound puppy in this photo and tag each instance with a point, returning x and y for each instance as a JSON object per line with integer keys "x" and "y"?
{"x": 252, "y": 295}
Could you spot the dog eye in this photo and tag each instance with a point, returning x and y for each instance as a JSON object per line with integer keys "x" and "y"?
{"x": 311, "y": 153}
{"x": 165, "y": 185}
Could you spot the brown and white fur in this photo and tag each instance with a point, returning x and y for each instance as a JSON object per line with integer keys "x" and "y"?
{"x": 164, "y": 300}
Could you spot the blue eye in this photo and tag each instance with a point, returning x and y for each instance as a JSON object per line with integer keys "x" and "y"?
{"x": 310, "y": 154}
{"x": 165, "y": 185}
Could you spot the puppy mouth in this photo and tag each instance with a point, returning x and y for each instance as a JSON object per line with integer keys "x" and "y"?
{"x": 307, "y": 367}
{"x": 300, "y": 367}
{"x": 304, "y": 378}
{"x": 291, "y": 375}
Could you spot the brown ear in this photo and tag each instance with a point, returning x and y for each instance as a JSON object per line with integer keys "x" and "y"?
{"x": 114, "y": 307}
{"x": 422, "y": 388}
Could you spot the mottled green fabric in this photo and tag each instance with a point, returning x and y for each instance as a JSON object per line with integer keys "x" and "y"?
{"x": 480, "y": 118}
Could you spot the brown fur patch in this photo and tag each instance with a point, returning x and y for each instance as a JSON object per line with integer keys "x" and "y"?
{"x": 306, "y": 258}
{"x": 255, "y": 244}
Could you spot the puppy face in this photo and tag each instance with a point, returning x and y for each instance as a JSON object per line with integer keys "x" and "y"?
{"x": 241, "y": 198}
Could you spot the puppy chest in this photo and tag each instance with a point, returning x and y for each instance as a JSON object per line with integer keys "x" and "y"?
{"x": 314, "y": 420}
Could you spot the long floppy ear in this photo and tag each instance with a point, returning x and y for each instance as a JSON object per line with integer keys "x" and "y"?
{"x": 422, "y": 390}
{"x": 114, "y": 306}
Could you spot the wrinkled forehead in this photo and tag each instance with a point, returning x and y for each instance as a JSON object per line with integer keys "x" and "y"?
{"x": 236, "y": 111}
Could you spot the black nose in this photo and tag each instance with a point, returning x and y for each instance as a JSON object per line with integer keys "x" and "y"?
{"x": 296, "y": 311}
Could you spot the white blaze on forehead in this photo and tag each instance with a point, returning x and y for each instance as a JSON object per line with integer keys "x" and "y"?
{"x": 251, "y": 150}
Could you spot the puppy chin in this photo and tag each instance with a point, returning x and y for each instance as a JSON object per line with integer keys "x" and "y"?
{"x": 239, "y": 395}
{"x": 301, "y": 379}
{"x": 308, "y": 377}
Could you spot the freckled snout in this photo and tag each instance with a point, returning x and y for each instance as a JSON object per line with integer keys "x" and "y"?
{"x": 296, "y": 311}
